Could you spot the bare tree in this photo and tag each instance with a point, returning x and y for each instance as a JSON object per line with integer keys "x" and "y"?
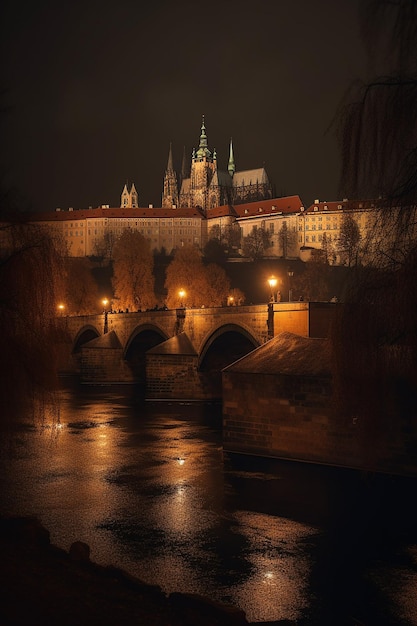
{"x": 328, "y": 249}
{"x": 349, "y": 239}
{"x": 256, "y": 243}
{"x": 104, "y": 246}
{"x": 133, "y": 279}
{"x": 286, "y": 239}
{"x": 232, "y": 237}
{"x": 228, "y": 239}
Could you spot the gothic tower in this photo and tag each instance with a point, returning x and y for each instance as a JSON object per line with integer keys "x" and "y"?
{"x": 170, "y": 193}
{"x": 203, "y": 167}
{"x": 231, "y": 165}
{"x": 129, "y": 199}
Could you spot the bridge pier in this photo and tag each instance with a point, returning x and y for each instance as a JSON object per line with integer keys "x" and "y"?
{"x": 172, "y": 373}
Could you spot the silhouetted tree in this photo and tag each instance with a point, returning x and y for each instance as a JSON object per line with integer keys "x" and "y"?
{"x": 286, "y": 239}
{"x": 313, "y": 283}
{"x": 227, "y": 239}
{"x": 104, "y": 247}
{"x": 232, "y": 237}
{"x": 31, "y": 271}
{"x": 81, "y": 290}
{"x": 376, "y": 338}
{"x": 214, "y": 251}
{"x": 215, "y": 232}
{"x": 348, "y": 241}
{"x": 256, "y": 243}
{"x": 328, "y": 249}
{"x": 378, "y": 125}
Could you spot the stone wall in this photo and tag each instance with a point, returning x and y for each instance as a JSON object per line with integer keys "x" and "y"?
{"x": 176, "y": 377}
{"x": 279, "y": 401}
{"x": 104, "y": 365}
{"x": 295, "y": 417}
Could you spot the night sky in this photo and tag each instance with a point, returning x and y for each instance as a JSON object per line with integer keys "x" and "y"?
{"x": 94, "y": 92}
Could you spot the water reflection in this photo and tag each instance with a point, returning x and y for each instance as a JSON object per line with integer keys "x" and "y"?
{"x": 150, "y": 489}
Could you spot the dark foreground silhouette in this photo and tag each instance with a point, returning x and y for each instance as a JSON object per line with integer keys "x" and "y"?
{"x": 43, "y": 585}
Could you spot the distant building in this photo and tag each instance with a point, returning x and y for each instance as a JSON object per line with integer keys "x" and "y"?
{"x": 319, "y": 226}
{"x": 295, "y": 231}
{"x": 205, "y": 202}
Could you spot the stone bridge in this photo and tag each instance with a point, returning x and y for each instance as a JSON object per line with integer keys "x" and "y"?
{"x": 180, "y": 352}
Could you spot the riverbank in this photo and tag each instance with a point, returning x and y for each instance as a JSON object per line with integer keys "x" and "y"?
{"x": 44, "y": 585}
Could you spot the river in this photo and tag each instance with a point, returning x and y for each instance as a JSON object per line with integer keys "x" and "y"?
{"x": 149, "y": 487}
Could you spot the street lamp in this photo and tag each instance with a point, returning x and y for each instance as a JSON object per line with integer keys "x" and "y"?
{"x": 272, "y": 284}
{"x": 105, "y": 326}
{"x": 290, "y": 275}
{"x": 181, "y": 294}
{"x": 61, "y": 308}
{"x": 230, "y": 300}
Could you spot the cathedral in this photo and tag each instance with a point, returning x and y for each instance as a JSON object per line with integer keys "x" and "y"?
{"x": 205, "y": 186}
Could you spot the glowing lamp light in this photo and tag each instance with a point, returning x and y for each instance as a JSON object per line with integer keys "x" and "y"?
{"x": 272, "y": 282}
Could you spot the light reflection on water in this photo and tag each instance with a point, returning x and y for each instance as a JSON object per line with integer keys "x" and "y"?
{"x": 150, "y": 490}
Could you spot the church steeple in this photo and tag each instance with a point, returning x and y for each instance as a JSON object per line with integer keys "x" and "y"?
{"x": 231, "y": 164}
{"x": 170, "y": 193}
{"x": 170, "y": 166}
{"x": 134, "y": 200}
{"x": 203, "y": 152}
{"x": 129, "y": 198}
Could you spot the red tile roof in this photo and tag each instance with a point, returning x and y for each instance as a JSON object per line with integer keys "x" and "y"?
{"x": 82, "y": 214}
{"x": 221, "y": 211}
{"x": 336, "y": 205}
{"x": 288, "y": 204}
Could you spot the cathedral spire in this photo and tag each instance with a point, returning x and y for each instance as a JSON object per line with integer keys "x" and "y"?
{"x": 231, "y": 165}
{"x": 170, "y": 164}
{"x": 203, "y": 151}
{"x": 170, "y": 193}
{"x": 203, "y": 136}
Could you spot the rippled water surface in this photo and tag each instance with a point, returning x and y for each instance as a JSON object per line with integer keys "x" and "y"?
{"x": 150, "y": 489}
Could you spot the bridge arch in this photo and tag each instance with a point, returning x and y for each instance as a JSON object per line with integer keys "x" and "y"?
{"x": 226, "y": 344}
{"x": 84, "y": 335}
{"x": 142, "y": 339}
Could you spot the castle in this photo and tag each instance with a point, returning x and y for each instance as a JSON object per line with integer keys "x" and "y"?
{"x": 204, "y": 186}
{"x": 205, "y": 202}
